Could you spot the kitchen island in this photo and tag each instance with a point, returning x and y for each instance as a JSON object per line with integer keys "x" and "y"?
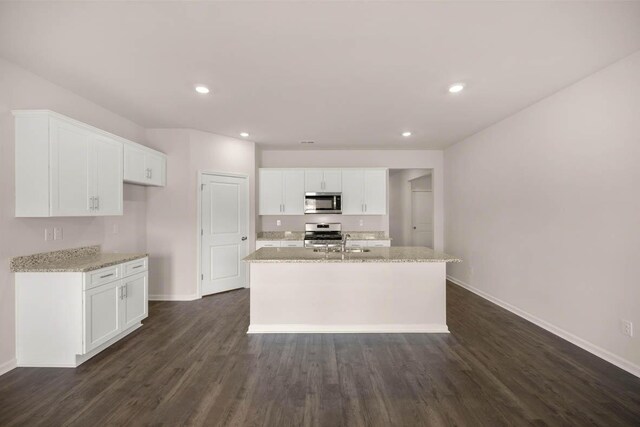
{"x": 381, "y": 290}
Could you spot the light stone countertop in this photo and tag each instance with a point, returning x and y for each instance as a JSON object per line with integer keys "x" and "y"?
{"x": 79, "y": 260}
{"x": 392, "y": 254}
{"x": 299, "y": 235}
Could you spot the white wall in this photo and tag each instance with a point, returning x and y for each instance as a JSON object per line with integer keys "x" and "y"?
{"x": 172, "y": 211}
{"x": 544, "y": 209}
{"x": 392, "y": 159}
{"x": 20, "y": 89}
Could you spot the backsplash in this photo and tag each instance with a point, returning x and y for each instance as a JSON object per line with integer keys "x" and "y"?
{"x": 349, "y": 222}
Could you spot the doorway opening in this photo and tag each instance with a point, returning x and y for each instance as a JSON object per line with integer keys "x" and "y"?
{"x": 411, "y": 207}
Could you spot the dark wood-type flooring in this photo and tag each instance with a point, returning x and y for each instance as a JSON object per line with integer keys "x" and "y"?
{"x": 193, "y": 364}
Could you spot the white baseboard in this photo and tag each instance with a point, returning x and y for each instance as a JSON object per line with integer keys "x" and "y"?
{"x": 346, "y": 329}
{"x": 614, "y": 359}
{"x": 8, "y": 366}
{"x": 172, "y": 297}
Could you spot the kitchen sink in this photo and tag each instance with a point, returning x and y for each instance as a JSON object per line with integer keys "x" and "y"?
{"x": 347, "y": 251}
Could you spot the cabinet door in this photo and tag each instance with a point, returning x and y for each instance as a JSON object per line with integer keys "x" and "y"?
{"x": 134, "y": 164}
{"x": 352, "y": 191}
{"x": 108, "y": 176}
{"x": 267, "y": 244}
{"x": 293, "y": 198}
{"x": 270, "y": 192}
{"x": 313, "y": 181}
{"x": 135, "y": 306}
{"x": 332, "y": 180}
{"x": 102, "y": 319}
{"x": 155, "y": 166}
{"x": 375, "y": 191}
{"x": 70, "y": 168}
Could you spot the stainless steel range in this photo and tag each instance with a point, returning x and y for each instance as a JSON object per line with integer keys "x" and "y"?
{"x": 321, "y": 235}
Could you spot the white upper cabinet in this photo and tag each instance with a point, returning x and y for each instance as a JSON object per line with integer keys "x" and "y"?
{"x": 353, "y": 192}
{"x": 281, "y": 192}
{"x": 323, "y": 180}
{"x": 68, "y": 168}
{"x": 364, "y": 191}
{"x": 375, "y": 191}
{"x": 65, "y": 168}
{"x": 293, "y": 193}
{"x": 270, "y": 192}
{"x": 143, "y": 165}
{"x": 313, "y": 179}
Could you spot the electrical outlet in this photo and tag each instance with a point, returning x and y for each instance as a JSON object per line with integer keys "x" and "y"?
{"x": 626, "y": 327}
{"x": 115, "y": 229}
{"x": 278, "y": 223}
{"x": 48, "y": 234}
{"x": 361, "y": 222}
{"x": 57, "y": 233}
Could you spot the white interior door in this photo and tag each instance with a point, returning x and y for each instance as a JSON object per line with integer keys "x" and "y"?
{"x": 225, "y": 219}
{"x": 422, "y": 218}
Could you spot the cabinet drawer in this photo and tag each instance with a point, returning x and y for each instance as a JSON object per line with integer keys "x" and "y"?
{"x": 379, "y": 243}
{"x": 104, "y": 275}
{"x": 135, "y": 266}
{"x": 292, "y": 244}
{"x": 267, "y": 244}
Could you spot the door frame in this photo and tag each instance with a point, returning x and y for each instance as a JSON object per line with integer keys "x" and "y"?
{"x": 201, "y": 174}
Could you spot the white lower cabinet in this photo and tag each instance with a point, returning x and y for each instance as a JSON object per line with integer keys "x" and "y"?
{"x": 63, "y": 319}
{"x": 135, "y": 297}
{"x": 368, "y": 243}
{"x": 102, "y": 307}
{"x": 268, "y": 244}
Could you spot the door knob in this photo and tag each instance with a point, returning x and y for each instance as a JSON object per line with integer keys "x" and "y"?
{"x": 244, "y": 238}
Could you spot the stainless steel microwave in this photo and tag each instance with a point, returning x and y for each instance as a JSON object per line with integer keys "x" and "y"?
{"x": 323, "y": 203}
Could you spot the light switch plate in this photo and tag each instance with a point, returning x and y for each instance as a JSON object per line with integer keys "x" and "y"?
{"x": 48, "y": 234}
{"x": 57, "y": 233}
{"x": 278, "y": 222}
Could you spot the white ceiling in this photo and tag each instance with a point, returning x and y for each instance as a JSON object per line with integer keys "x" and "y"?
{"x": 344, "y": 74}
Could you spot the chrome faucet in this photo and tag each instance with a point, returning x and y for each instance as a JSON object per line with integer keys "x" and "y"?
{"x": 345, "y": 236}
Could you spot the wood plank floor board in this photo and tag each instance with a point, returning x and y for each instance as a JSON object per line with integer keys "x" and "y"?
{"x": 193, "y": 364}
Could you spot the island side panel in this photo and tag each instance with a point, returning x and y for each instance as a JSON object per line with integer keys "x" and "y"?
{"x": 348, "y": 297}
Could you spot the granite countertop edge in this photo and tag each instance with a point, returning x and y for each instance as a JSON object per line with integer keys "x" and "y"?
{"x": 375, "y": 255}
{"x": 82, "y": 264}
{"x": 352, "y": 261}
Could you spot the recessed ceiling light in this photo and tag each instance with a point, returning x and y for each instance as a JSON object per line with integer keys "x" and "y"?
{"x": 202, "y": 89}
{"x": 456, "y": 87}
{"x": 244, "y": 134}
{"x": 406, "y": 134}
